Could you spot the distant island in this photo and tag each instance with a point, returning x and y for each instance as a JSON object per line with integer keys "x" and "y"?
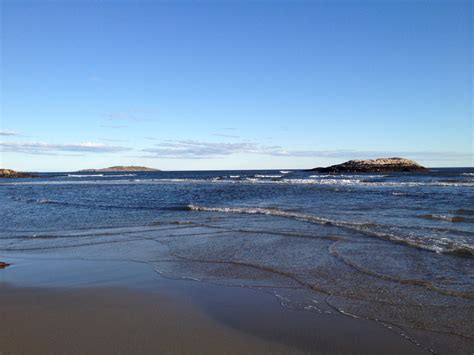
{"x": 118, "y": 168}
{"x": 380, "y": 165}
{"x": 12, "y": 174}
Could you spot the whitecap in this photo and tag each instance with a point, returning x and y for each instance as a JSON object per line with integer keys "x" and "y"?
{"x": 84, "y": 175}
{"x": 267, "y": 176}
{"x": 431, "y": 244}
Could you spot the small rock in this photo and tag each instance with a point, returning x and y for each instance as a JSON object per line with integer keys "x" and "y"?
{"x": 3, "y": 265}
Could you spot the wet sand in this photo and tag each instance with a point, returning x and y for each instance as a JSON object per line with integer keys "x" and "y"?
{"x": 114, "y": 321}
{"x": 126, "y": 308}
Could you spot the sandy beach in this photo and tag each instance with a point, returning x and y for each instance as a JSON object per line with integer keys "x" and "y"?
{"x": 100, "y": 321}
{"x": 127, "y": 308}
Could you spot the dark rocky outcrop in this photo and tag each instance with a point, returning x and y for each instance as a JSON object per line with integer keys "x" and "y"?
{"x": 3, "y": 265}
{"x": 118, "y": 168}
{"x": 12, "y": 174}
{"x": 381, "y": 165}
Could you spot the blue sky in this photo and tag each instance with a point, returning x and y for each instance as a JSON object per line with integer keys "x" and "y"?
{"x": 187, "y": 85}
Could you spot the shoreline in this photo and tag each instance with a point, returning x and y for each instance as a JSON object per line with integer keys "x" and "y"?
{"x": 121, "y": 306}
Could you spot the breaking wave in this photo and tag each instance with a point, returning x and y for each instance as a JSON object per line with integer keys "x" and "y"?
{"x": 430, "y": 244}
{"x": 84, "y": 175}
{"x": 98, "y": 175}
{"x": 447, "y": 218}
{"x": 323, "y": 180}
{"x": 267, "y": 176}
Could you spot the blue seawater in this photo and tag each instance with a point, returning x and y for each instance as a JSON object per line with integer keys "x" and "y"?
{"x": 398, "y": 248}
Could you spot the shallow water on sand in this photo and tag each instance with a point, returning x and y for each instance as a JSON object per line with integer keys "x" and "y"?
{"x": 394, "y": 248}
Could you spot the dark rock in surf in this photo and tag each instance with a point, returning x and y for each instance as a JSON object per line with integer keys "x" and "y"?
{"x": 380, "y": 165}
{"x": 3, "y": 265}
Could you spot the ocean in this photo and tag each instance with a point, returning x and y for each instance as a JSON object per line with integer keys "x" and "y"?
{"x": 394, "y": 248}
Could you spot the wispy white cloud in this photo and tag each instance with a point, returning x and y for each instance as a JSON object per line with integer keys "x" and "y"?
{"x": 225, "y": 135}
{"x": 48, "y": 148}
{"x": 371, "y": 154}
{"x": 192, "y": 149}
{"x": 8, "y": 133}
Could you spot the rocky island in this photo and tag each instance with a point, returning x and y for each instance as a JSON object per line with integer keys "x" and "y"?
{"x": 118, "y": 169}
{"x": 12, "y": 174}
{"x": 380, "y": 165}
